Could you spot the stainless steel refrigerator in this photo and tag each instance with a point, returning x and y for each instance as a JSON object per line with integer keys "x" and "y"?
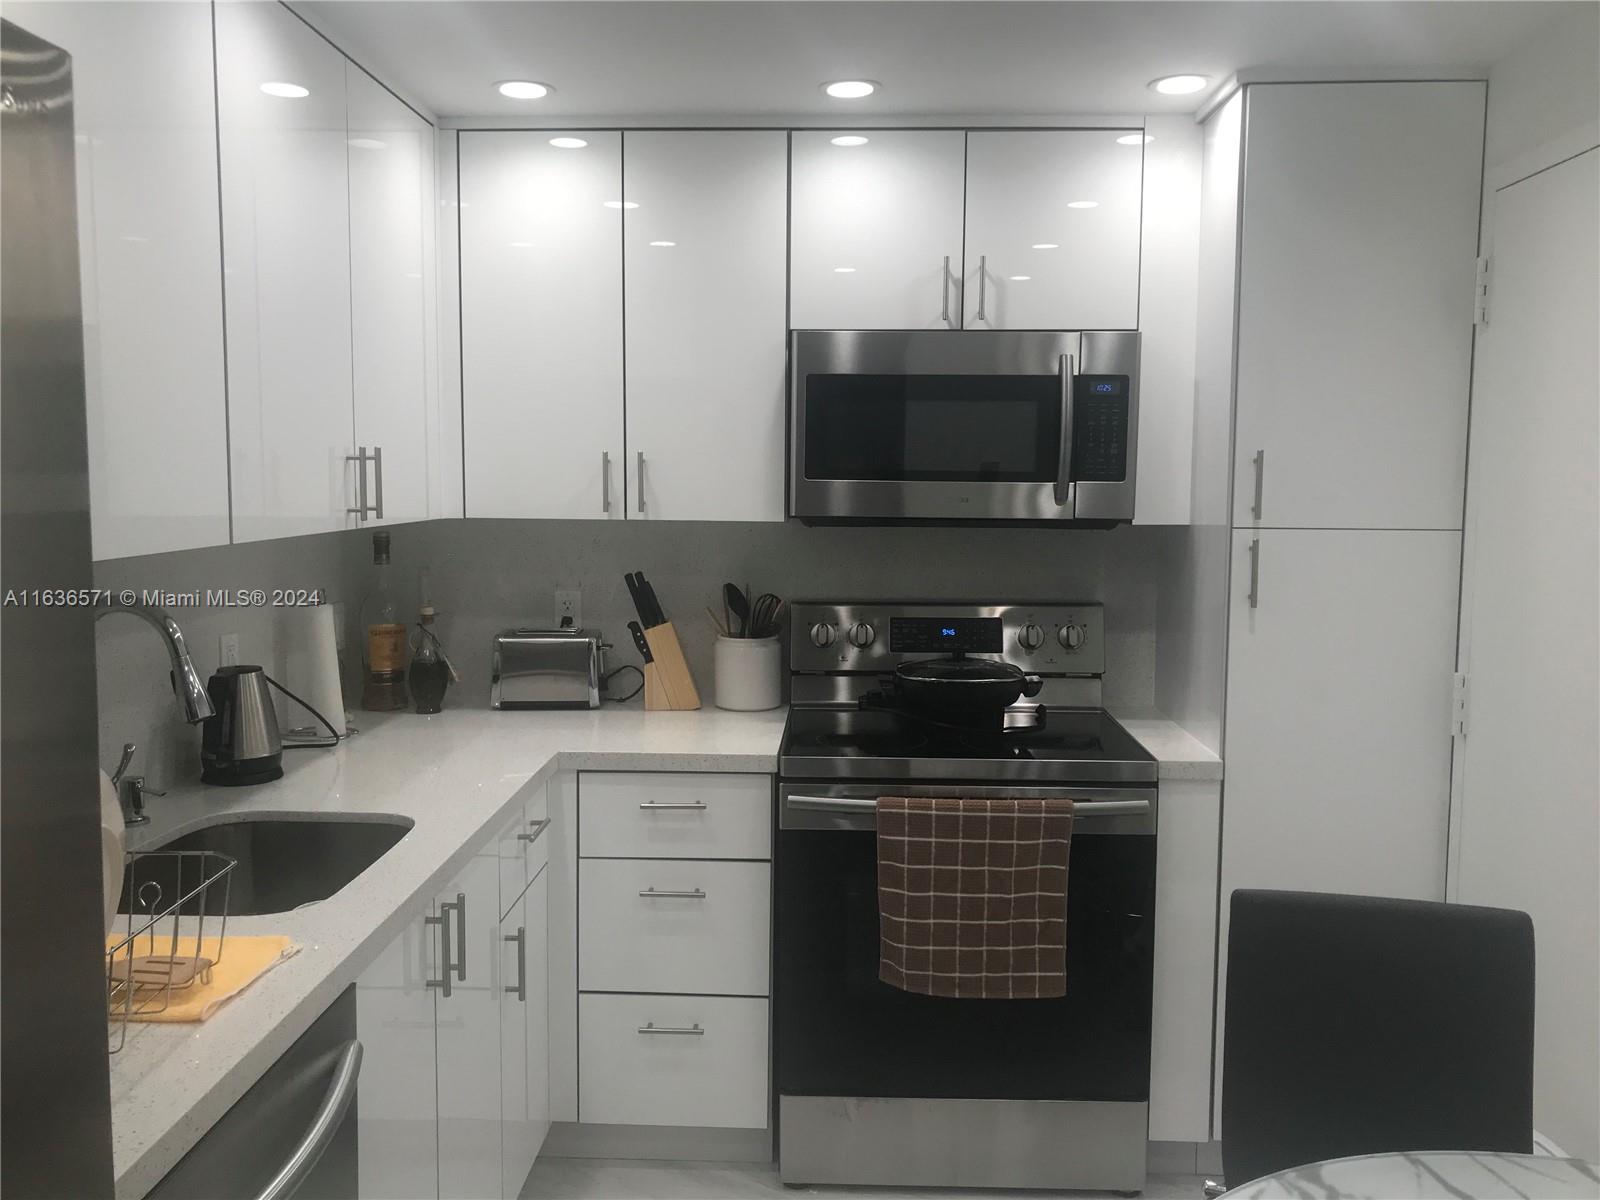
{"x": 55, "y": 1107}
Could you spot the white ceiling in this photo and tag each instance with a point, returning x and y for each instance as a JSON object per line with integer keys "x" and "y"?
{"x": 668, "y": 58}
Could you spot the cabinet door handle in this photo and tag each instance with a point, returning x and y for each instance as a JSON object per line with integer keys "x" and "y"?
{"x": 538, "y": 832}
{"x": 944, "y": 314}
{"x": 605, "y": 481}
{"x": 521, "y": 939}
{"x": 1260, "y": 463}
{"x": 461, "y": 936}
{"x": 1255, "y": 571}
{"x": 654, "y": 894}
{"x": 641, "y": 481}
{"x": 377, "y": 471}
{"x": 983, "y": 289}
{"x": 692, "y": 1030}
{"x": 670, "y": 804}
{"x": 360, "y": 458}
{"x": 443, "y": 922}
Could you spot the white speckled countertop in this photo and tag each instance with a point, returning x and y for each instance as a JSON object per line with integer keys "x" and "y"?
{"x": 454, "y": 776}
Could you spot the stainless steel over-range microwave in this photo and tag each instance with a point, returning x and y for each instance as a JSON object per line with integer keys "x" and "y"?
{"x": 938, "y": 426}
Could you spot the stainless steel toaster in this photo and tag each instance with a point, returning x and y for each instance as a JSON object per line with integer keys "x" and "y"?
{"x": 547, "y": 668}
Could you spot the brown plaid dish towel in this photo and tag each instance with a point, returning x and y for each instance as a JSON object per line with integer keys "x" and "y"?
{"x": 972, "y": 896}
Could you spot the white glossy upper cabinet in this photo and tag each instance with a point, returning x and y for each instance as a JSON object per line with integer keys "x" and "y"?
{"x": 705, "y": 287}
{"x": 541, "y": 323}
{"x": 286, "y": 263}
{"x": 1357, "y": 259}
{"x": 1053, "y": 229}
{"x": 151, "y": 267}
{"x": 390, "y": 151}
{"x": 875, "y": 228}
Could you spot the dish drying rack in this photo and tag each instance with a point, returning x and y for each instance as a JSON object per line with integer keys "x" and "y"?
{"x": 173, "y": 895}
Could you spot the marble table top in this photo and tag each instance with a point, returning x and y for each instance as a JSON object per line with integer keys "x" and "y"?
{"x": 1429, "y": 1175}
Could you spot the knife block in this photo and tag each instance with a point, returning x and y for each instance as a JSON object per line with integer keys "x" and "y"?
{"x": 668, "y": 683}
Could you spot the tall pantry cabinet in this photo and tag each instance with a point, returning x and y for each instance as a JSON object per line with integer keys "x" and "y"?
{"x": 1355, "y": 206}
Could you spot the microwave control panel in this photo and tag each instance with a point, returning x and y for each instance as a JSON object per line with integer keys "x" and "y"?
{"x": 1100, "y": 428}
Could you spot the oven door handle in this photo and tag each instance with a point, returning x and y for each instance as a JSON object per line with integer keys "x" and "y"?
{"x": 1082, "y": 808}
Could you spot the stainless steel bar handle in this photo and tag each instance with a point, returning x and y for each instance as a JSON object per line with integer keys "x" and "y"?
{"x": 944, "y": 313}
{"x": 377, "y": 470}
{"x": 521, "y": 940}
{"x": 1255, "y": 572}
{"x": 653, "y": 894}
{"x": 360, "y": 458}
{"x": 648, "y": 805}
{"x": 1082, "y": 808}
{"x": 983, "y": 284}
{"x": 1260, "y": 462}
{"x": 641, "y": 481}
{"x": 443, "y": 922}
{"x": 692, "y": 1030}
{"x": 324, "y": 1126}
{"x": 605, "y": 481}
{"x": 461, "y": 936}
{"x": 1069, "y": 378}
{"x": 538, "y": 832}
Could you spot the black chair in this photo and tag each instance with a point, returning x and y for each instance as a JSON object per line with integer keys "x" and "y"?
{"x": 1362, "y": 1025}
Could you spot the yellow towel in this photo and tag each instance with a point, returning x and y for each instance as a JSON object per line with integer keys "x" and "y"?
{"x": 241, "y": 962}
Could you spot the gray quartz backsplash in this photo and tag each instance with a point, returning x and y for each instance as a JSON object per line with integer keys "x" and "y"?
{"x": 489, "y": 575}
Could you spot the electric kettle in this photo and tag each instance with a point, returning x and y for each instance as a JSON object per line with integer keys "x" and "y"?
{"x": 239, "y": 742}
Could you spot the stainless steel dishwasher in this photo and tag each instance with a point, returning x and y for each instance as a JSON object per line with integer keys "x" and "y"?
{"x": 293, "y": 1134}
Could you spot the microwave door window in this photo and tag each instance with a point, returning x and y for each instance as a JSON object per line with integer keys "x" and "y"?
{"x": 951, "y": 428}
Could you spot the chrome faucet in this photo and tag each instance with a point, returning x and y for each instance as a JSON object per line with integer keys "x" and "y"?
{"x": 192, "y": 698}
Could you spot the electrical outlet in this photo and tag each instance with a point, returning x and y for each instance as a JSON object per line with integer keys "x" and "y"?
{"x": 228, "y": 650}
{"x": 569, "y": 609}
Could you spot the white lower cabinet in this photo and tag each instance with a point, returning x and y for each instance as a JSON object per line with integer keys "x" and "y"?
{"x": 672, "y": 1060}
{"x": 524, "y": 1036}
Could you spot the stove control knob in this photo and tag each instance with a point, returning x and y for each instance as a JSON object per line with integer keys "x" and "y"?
{"x": 1072, "y": 637}
{"x": 823, "y": 633}
{"x": 1030, "y": 637}
{"x": 862, "y": 635}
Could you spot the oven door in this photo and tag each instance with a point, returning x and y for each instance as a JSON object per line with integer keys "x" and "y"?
{"x": 939, "y": 426}
{"x": 841, "y": 1032}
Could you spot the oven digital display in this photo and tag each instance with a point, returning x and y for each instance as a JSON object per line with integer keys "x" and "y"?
{"x": 945, "y": 635}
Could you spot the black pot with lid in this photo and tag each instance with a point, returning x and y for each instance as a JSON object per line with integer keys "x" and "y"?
{"x": 961, "y": 686}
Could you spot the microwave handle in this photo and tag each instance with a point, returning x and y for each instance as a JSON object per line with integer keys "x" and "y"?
{"x": 1069, "y": 376}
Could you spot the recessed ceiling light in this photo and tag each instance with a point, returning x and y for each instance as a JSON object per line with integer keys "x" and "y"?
{"x": 523, "y": 89}
{"x": 1179, "y": 85}
{"x": 1047, "y": 245}
{"x": 663, "y": 243}
{"x": 850, "y": 89}
{"x": 368, "y": 144}
{"x": 849, "y": 139}
{"x": 1135, "y": 139}
{"x": 1019, "y": 278}
{"x": 288, "y": 91}
{"x": 568, "y": 143}
{"x": 844, "y": 270}
{"x": 1083, "y": 204}
{"x": 620, "y": 204}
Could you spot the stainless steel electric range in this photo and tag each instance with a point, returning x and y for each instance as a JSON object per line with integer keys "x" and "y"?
{"x": 879, "y": 1086}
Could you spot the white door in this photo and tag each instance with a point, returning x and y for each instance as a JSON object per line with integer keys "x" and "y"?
{"x": 1053, "y": 229}
{"x": 390, "y": 152}
{"x": 524, "y": 1037}
{"x": 286, "y": 272}
{"x": 1359, "y": 240}
{"x": 1525, "y": 824}
{"x": 706, "y": 342}
{"x": 875, "y": 228}
{"x": 398, "y": 1111}
{"x": 151, "y": 266}
{"x": 468, "y": 1032}
{"x": 541, "y": 323}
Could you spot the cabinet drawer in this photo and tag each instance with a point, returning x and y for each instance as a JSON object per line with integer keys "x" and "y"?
{"x": 713, "y": 937}
{"x": 674, "y": 816}
{"x": 717, "y": 1077}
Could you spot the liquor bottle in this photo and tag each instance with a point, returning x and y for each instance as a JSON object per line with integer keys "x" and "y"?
{"x": 383, "y": 647}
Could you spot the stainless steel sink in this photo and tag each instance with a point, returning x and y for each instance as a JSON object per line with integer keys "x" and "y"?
{"x": 283, "y": 862}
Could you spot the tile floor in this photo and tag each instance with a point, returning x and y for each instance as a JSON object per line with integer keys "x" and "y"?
{"x": 619, "y": 1179}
